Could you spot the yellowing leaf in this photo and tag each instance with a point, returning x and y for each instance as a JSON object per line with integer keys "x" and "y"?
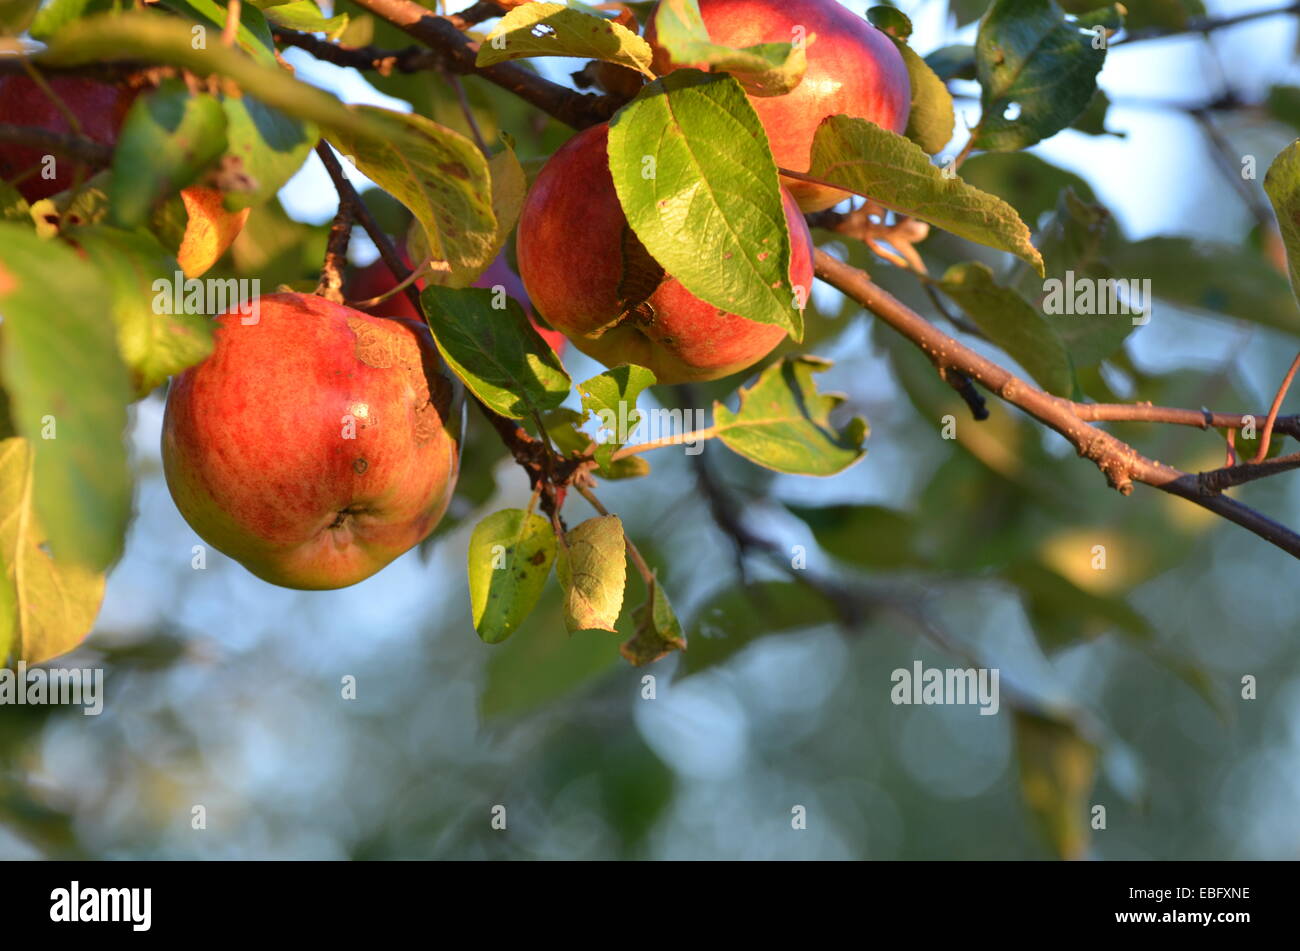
{"x": 209, "y": 231}
{"x": 552, "y": 29}
{"x": 593, "y": 571}
{"x": 49, "y": 605}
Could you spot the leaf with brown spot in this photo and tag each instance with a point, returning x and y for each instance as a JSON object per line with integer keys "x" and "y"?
{"x": 438, "y": 174}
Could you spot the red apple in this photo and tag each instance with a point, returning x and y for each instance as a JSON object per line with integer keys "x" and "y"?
{"x": 99, "y": 107}
{"x": 570, "y": 245}
{"x": 314, "y": 445}
{"x": 853, "y": 70}
{"x": 375, "y": 279}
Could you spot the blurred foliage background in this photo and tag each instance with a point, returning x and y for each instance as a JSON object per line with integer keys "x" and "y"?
{"x": 1121, "y": 687}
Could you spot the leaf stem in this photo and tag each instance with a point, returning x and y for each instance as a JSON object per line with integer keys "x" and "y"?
{"x": 642, "y": 568}
{"x": 677, "y": 440}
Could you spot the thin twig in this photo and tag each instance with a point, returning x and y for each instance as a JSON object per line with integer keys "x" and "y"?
{"x": 387, "y": 252}
{"x": 70, "y": 144}
{"x": 232, "y": 22}
{"x": 467, "y": 111}
{"x": 531, "y": 454}
{"x": 459, "y": 54}
{"x": 410, "y": 59}
{"x": 1262, "y": 453}
{"x": 330, "y": 285}
{"x": 1200, "y": 418}
{"x": 1203, "y": 25}
{"x": 1119, "y": 462}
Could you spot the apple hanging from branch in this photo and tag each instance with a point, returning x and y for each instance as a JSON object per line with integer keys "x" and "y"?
{"x": 589, "y": 276}
{"x": 853, "y": 70}
{"x": 314, "y": 445}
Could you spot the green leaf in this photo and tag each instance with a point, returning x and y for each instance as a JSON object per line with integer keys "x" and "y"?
{"x": 871, "y": 536}
{"x": 611, "y": 396}
{"x": 1057, "y": 769}
{"x": 1092, "y": 121}
{"x": 437, "y": 173}
{"x": 931, "y": 119}
{"x": 304, "y": 15}
{"x": 1282, "y": 185}
{"x": 497, "y": 353}
{"x": 68, "y": 393}
{"x": 733, "y": 618}
{"x": 509, "y": 559}
{"x": 55, "y": 14}
{"x": 169, "y": 138}
{"x": 768, "y": 69}
{"x": 862, "y": 157}
{"x": 592, "y": 569}
{"x": 1037, "y": 71}
{"x": 47, "y": 604}
{"x": 953, "y": 62}
{"x": 967, "y": 11}
{"x": 658, "y": 632}
{"x": 890, "y": 20}
{"x": 783, "y": 423}
{"x": 154, "y": 343}
{"x": 712, "y": 195}
{"x": 552, "y": 29}
{"x": 1283, "y": 104}
{"x": 253, "y": 35}
{"x": 1011, "y": 322}
{"x": 268, "y": 146}
{"x": 1215, "y": 277}
{"x": 1076, "y": 245}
